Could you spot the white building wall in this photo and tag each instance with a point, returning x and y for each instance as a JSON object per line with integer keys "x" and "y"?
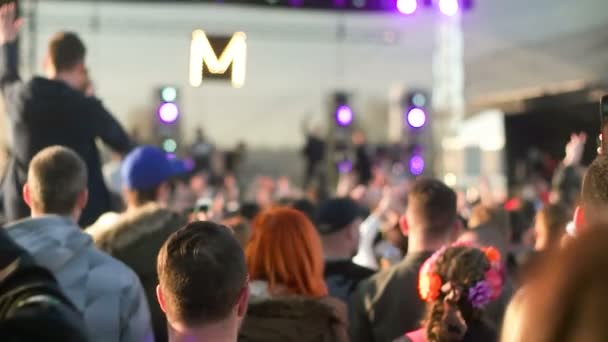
{"x": 294, "y": 59}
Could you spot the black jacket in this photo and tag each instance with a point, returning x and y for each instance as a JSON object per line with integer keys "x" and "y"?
{"x": 43, "y": 113}
{"x": 343, "y": 277}
{"x": 363, "y": 164}
{"x": 387, "y": 305}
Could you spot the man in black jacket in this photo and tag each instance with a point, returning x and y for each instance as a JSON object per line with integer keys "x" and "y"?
{"x": 53, "y": 111}
{"x": 387, "y": 305}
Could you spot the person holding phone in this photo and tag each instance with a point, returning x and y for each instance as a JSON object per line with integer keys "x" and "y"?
{"x": 567, "y": 180}
{"x": 594, "y": 190}
{"x": 53, "y": 110}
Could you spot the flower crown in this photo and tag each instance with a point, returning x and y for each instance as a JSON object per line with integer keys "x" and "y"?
{"x": 480, "y": 294}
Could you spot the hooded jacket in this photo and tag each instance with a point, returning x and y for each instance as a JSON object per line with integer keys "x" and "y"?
{"x": 30, "y": 297}
{"x": 135, "y": 238}
{"x": 107, "y": 292}
{"x": 43, "y": 113}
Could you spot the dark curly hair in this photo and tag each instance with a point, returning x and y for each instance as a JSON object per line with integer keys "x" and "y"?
{"x": 452, "y": 316}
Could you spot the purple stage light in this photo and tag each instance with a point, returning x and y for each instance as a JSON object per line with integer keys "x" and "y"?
{"x": 417, "y": 165}
{"x": 345, "y": 166}
{"x": 295, "y": 3}
{"x": 416, "y": 117}
{"x": 168, "y": 112}
{"x": 344, "y": 115}
{"x": 407, "y": 6}
{"x": 449, "y": 7}
{"x": 189, "y": 163}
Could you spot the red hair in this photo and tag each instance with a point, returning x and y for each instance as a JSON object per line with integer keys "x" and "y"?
{"x": 285, "y": 250}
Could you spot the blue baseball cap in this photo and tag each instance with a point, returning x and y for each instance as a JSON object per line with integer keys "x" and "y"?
{"x": 145, "y": 168}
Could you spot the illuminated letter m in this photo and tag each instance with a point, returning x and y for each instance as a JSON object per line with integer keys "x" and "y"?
{"x": 202, "y": 54}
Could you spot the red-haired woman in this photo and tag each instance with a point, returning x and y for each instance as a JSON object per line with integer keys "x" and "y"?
{"x": 288, "y": 293}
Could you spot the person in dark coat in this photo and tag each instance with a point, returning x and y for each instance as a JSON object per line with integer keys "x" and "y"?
{"x": 313, "y": 153}
{"x": 136, "y": 235}
{"x": 386, "y": 305}
{"x": 289, "y": 297}
{"x": 338, "y": 222}
{"x": 363, "y": 162}
{"x": 54, "y": 111}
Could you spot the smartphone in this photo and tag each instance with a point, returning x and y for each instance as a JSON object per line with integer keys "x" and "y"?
{"x": 604, "y": 122}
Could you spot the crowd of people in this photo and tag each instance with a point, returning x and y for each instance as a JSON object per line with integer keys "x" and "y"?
{"x": 177, "y": 252}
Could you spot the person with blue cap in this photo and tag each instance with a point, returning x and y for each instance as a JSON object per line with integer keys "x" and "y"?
{"x": 136, "y": 236}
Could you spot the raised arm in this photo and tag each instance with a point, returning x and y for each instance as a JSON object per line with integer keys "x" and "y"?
{"x": 9, "y": 30}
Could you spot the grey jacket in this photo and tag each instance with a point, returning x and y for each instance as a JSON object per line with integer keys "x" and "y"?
{"x": 106, "y": 291}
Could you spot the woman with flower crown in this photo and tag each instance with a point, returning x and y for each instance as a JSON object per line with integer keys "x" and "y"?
{"x": 458, "y": 282}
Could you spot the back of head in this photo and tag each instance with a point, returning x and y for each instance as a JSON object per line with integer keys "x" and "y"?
{"x": 594, "y": 195}
{"x": 306, "y": 207}
{"x": 490, "y": 226}
{"x": 66, "y": 50}
{"x": 249, "y": 210}
{"x": 56, "y": 177}
{"x": 551, "y": 225}
{"x": 285, "y": 250}
{"x": 494, "y": 216}
{"x": 458, "y": 282}
{"x": 480, "y": 214}
{"x": 566, "y": 298}
{"x": 431, "y": 208}
{"x": 336, "y": 214}
{"x": 202, "y": 272}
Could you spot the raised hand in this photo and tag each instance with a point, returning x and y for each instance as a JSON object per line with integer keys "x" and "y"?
{"x": 385, "y": 202}
{"x": 575, "y": 148}
{"x": 9, "y": 24}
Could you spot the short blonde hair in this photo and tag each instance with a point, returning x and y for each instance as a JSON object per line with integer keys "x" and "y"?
{"x": 56, "y": 177}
